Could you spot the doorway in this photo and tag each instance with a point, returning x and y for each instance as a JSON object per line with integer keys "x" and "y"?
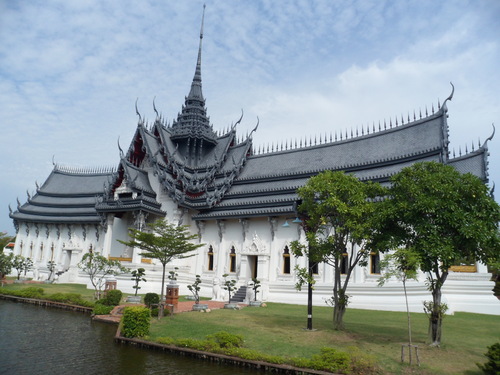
{"x": 252, "y": 265}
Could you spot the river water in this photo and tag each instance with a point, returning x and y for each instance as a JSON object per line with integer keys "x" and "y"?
{"x": 38, "y": 340}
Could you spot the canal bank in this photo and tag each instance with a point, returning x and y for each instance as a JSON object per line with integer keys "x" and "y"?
{"x": 173, "y": 350}
{"x": 38, "y": 340}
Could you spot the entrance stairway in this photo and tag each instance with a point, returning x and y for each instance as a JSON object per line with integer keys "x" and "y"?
{"x": 239, "y": 296}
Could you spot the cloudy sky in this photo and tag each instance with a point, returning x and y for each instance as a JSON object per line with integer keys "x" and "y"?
{"x": 71, "y": 71}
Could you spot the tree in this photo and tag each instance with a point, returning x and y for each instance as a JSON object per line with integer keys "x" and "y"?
{"x": 255, "y": 287}
{"x": 163, "y": 241}
{"x": 51, "y": 266}
{"x": 137, "y": 277}
{"x": 27, "y": 265}
{"x": 443, "y": 216}
{"x": 98, "y": 268}
{"x": 229, "y": 285}
{"x": 18, "y": 265}
{"x": 338, "y": 210}
{"x": 195, "y": 289}
{"x": 4, "y": 240}
{"x": 403, "y": 265}
{"x": 5, "y": 265}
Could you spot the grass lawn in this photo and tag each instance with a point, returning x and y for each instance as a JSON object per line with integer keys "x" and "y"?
{"x": 278, "y": 329}
{"x": 87, "y": 294}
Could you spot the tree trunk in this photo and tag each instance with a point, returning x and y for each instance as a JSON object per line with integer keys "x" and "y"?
{"x": 338, "y": 316}
{"x": 160, "y": 310}
{"x": 437, "y": 312}
{"x": 340, "y": 303}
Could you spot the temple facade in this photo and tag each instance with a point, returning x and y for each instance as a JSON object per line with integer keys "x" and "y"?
{"x": 240, "y": 201}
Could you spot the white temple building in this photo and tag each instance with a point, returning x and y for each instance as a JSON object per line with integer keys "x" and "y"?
{"x": 240, "y": 201}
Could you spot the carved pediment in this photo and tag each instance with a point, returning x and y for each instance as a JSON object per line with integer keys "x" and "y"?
{"x": 256, "y": 247}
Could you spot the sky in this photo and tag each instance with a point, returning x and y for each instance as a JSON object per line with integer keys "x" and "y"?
{"x": 71, "y": 72}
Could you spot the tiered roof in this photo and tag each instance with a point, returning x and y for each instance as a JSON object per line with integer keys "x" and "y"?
{"x": 219, "y": 177}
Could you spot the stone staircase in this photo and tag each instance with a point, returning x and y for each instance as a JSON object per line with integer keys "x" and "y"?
{"x": 240, "y": 295}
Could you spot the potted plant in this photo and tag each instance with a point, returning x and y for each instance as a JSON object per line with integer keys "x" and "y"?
{"x": 195, "y": 289}
{"x": 137, "y": 277}
{"x": 230, "y": 286}
{"x": 255, "y": 287}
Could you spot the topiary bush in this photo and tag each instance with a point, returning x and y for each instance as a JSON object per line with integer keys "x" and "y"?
{"x": 151, "y": 299}
{"x": 136, "y": 321}
{"x": 113, "y": 297}
{"x": 492, "y": 367}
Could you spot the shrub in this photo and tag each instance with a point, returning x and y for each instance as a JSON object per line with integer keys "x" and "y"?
{"x": 136, "y": 321}
{"x": 100, "y": 309}
{"x": 492, "y": 367}
{"x": 362, "y": 363}
{"x": 331, "y": 360}
{"x": 113, "y": 297}
{"x": 151, "y": 299}
{"x": 70, "y": 298}
{"x": 31, "y": 292}
{"x": 155, "y": 311}
{"x": 226, "y": 340}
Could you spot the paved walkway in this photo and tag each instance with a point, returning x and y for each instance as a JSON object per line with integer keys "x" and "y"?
{"x": 186, "y": 306}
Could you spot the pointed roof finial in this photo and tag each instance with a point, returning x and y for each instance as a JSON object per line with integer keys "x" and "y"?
{"x": 196, "y": 85}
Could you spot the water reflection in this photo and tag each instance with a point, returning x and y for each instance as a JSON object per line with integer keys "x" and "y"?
{"x": 37, "y": 340}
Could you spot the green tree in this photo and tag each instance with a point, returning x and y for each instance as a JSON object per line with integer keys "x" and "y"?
{"x": 4, "y": 240}
{"x": 195, "y": 288}
{"x": 98, "y": 268}
{"x": 137, "y": 277}
{"x": 5, "y": 265}
{"x": 18, "y": 264}
{"x": 338, "y": 210}
{"x": 402, "y": 265}
{"x": 443, "y": 216}
{"x": 163, "y": 241}
{"x": 27, "y": 265}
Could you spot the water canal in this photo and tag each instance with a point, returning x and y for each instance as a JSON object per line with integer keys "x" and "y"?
{"x": 37, "y": 340}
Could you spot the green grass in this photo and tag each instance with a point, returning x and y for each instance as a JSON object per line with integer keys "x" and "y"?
{"x": 278, "y": 330}
{"x": 87, "y": 294}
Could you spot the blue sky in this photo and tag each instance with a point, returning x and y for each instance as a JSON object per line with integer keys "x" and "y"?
{"x": 71, "y": 71}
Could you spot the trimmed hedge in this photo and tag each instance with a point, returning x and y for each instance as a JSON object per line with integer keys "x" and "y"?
{"x": 39, "y": 293}
{"x": 136, "y": 321}
{"x": 102, "y": 309}
{"x": 329, "y": 359}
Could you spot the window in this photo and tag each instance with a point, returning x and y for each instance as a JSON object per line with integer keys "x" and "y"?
{"x": 210, "y": 258}
{"x": 375, "y": 263}
{"x": 344, "y": 264}
{"x": 286, "y": 260}
{"x": 232, "y": 260}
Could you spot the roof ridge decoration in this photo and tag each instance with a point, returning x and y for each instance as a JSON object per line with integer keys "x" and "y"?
{"x": 340, "y": 136}
{"x": 84, "y": 170}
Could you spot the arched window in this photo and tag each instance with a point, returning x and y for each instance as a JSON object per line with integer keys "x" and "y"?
{"x": 344, "y": 264}
{"x": 210, "y": 258}
{"x": 286, "y": 260}
{"x": 232, "y": 260}
{"x": 375, "y": 263}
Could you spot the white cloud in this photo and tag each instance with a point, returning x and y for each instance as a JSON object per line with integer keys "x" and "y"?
{"x": 70, "y": 72}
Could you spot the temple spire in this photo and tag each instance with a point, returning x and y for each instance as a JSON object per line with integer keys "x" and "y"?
{"x": 196, "y": 92}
